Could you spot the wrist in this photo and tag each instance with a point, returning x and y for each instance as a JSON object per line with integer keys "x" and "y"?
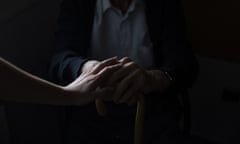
{"x": 66, "y": 91}
{"x": 158, "y": 81}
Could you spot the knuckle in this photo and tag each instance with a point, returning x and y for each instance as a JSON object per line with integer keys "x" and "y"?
{"x": 107, "y": 69}
{"x": 100, "y": 64}
{"x": 132, "y": 63}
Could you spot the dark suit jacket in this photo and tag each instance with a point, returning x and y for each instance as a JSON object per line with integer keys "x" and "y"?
{"x": 165, "y": 20}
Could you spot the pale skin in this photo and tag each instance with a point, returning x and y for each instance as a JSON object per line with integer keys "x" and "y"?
{"x": 131, "y": 80}
{"x": 20, "y": 86}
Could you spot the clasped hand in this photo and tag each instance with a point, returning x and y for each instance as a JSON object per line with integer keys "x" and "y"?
{"x": 118, "y": 80}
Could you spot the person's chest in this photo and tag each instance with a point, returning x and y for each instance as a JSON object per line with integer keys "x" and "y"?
{"x": 118, "y": 34}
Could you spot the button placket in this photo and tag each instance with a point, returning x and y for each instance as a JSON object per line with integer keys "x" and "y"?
{"x": 124, "y": 35}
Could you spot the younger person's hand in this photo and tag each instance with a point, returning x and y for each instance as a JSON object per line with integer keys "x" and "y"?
{"x": 87, "y": 85}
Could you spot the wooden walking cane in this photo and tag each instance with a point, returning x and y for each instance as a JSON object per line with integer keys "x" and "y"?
{"x": 139, "y": 121}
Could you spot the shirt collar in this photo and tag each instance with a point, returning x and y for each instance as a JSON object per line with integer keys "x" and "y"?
{"x": 106, "y": 4}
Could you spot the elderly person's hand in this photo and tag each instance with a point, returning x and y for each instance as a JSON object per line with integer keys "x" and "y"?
{"x": 88, "y": 86}
{"x": 132, "y": 81}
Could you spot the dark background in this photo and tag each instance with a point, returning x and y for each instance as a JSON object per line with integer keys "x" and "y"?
{"x": 214, "y": 27}
{"x": 26, "y": 35}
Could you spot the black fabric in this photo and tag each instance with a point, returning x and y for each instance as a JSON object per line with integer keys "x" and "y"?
{"x": 172, "y": 53}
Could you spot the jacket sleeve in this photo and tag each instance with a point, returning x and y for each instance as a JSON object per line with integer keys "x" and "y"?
{"x": 70, "y": 50}
{"x": 173, "y": 51}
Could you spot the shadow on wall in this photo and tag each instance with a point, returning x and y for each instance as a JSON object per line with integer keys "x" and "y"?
{"x": 26, "y": 39}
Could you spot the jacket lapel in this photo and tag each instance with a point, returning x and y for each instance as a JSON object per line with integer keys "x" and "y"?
{"x": 154, "y": 17}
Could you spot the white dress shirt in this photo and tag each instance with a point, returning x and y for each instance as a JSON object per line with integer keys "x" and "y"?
{"x": 118, "y": 34}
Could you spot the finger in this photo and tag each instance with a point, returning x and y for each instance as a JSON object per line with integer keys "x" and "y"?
{"x": 133, "y": 90}
{"x": 122, "y": 87}
{"x": 123, "y": 72}
{"x": 125, "y": 60}
{"x": 103, "y": 75}
{"x": 130, "y": 93}
{"x": 103, "y": 64}
{"x": 110, "y": 69}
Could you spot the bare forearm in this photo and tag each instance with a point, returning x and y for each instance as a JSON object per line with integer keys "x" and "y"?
{"x": 17, "y": 85}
